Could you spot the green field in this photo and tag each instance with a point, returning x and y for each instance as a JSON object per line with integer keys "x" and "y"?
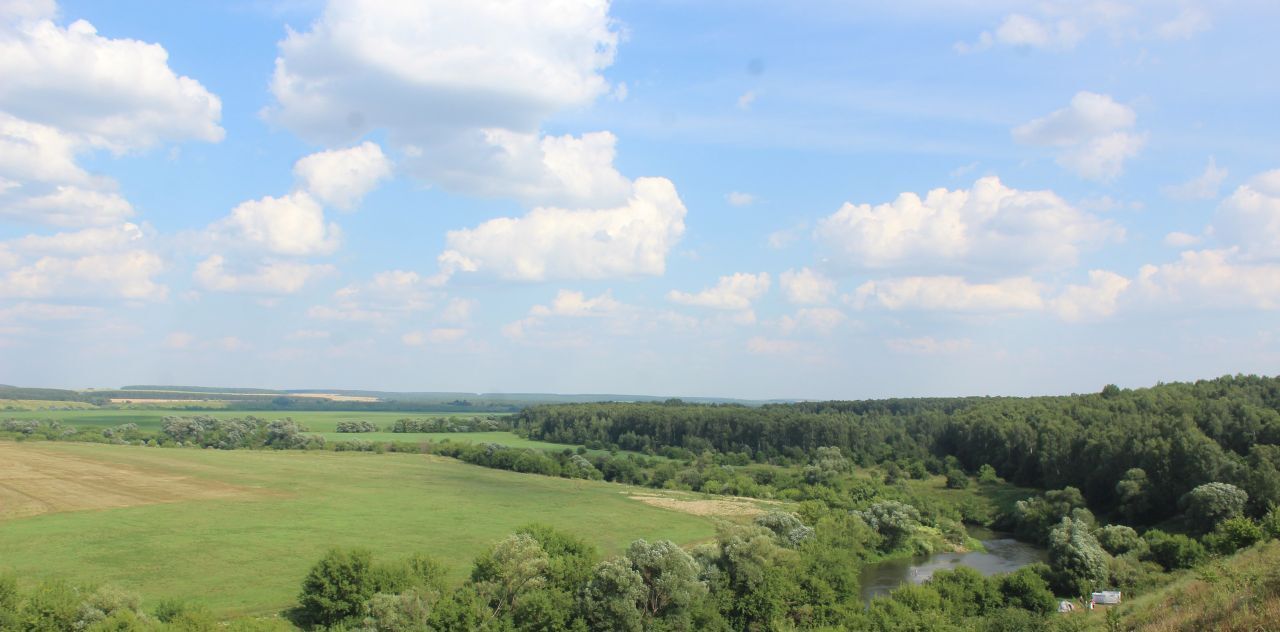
{"x": 245, "y": 545}
{"x": 151, "y": 418}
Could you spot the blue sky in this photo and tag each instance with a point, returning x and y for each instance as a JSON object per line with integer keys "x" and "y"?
{"x": 807, "y": 199}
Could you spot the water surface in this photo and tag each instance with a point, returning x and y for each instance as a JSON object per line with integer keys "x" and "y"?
{"x": 1003, "y": 555}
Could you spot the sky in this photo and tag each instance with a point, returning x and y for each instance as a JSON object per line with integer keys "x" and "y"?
{"x": 739, "y": 199}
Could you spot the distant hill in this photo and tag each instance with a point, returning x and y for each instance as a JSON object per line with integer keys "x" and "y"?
{"x": 518, "y": 400}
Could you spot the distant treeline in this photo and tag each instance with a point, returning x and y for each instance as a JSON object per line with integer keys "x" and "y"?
{"x": 1178, "y": 435}
{"x": 49, "y": 394}
{"x": 285, "y": 402}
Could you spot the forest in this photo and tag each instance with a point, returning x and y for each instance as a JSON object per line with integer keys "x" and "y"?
{"x": 1182, "y": 435}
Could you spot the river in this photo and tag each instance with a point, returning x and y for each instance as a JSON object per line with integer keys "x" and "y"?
{"x": 1003, "y": 555}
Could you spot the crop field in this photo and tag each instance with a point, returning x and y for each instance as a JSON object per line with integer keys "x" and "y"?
{"x": 151, "y": 418}
{"x": 238, "y": 529}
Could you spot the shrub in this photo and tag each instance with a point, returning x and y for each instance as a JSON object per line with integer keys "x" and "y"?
{"x": 957, "y": 479}
{"x": 894, "y": 521}
{"x": 987, "y": 474}
{"x": 1233, "y": 534}
{"x": 1118, "y": 539}
{"x": 356, "y": 426}
{"x": 338, "y": 586}
{"x": 1173, "y": 551}
{"x": 1027, "y": 589}
{"x": 1211, "y": 503}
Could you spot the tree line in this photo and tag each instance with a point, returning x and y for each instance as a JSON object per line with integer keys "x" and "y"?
{"x": 1182, "y": 435}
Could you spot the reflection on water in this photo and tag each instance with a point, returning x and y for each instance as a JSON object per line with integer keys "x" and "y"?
{"x": 1003, "y": 555}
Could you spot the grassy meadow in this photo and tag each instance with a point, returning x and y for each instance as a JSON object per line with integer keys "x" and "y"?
{"x": 237, "y": 530}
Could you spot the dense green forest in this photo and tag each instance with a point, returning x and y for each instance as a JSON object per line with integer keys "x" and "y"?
{"x": 1164, "y": 441}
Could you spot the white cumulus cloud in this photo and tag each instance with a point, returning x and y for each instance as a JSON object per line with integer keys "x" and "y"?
{"x": 271, "y": 277}
{"x": 806, "y": 287}
{"x": 821, "y": 320}
{"x": 1250, "y": 218}
{"x": 988, "y": 225}
{"x": 293, "y": 224}
{"x": 461, "y": 88}
{"x": 733, "y": 292}
{"x": 951, "y": 293}
{"x": 67, "y": 91}
{"x": 1094, "y": 301}
{"x": 558, "y": 243}
{"x": 1092, "y": 135}
{"x": 342, "y": 177}
{"x": 1213, "y": 279}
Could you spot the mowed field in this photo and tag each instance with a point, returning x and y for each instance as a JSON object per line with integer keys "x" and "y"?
{"x": 237, "y": 530}
{"x": 323, "y": 423}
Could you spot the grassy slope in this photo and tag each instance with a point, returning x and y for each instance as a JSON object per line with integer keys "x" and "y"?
{"x": 1241, "y": 592}
{"x": 248, "y": 554}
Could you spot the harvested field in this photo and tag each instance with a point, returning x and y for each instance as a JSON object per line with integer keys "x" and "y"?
{"x": 717, "y": 507}
{"x": 35, "y": 481}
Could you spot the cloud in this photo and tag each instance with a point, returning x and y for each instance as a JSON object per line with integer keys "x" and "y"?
{"x": 780, "y": 239}
{"x": 127, "y": 274}
{"x": 117, "y": 94}
{"x": 271, "y": 277}
{"x": 734, "y": 292}
{"x": 1202, "y": 187}
{"x": 806, "y": 287}
{"x": 821, "y": 320}
{"x": 738, "y": 198}
{"x": 1181, "y": 240}
{"x": 178, "y": 340}
{"x": 341, "y": 177}
{"x": 461, "y": 88}
{"x": 951, "y": 293}
{"x": 556, "y": 243}
{"x": 571, "y": 303}
{"x": 769, "y": 346}
{"x": 1090, "y": 302}
{"x": 386, "y": 296}
{"x": 107, "y": 262}
{"x": 42, "y": 312}
{"x": 987, "y": 225}
{"x": 1091, "y": 135}
{"x": 293, "y": 224}
{"x": 457, "y": 310}
{"x": 1212, "y": 279}
{"x": 1250, "y": 218}
{"x": 1186, "y": 24}
{"x": 928, "y": 345}
{"x": 88, "y": 240}
{"x": 1060, "y": 26}
{"x": 68, "y": 91}
{"x": 67, "y": 206}
{"x": 439, "y": 335}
